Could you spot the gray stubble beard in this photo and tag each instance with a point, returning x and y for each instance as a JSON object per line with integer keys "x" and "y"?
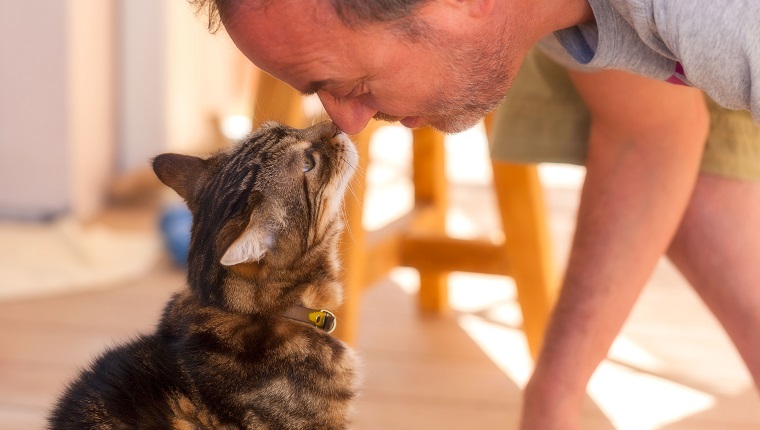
{"x": 475, "y": 90}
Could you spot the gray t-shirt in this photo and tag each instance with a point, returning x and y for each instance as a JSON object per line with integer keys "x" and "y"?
{"x": 713, "y": 45}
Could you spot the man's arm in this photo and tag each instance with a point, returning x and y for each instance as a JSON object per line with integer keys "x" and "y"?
{"x": 645, "y": 145}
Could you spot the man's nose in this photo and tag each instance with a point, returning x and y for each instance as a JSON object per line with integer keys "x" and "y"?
{"x": 349, "y": 114}
{"x": 323, "y": 130}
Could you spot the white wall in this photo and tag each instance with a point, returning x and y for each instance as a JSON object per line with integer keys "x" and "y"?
{"x": 56, "y": 110}
{"x": 91, "y": 103}
{"x": 141, "y": 87}
{"x": 33, "y": 111}
{"x": 94, "y": 88}
{"x": 176, "y": 79}
{"x": 207, "y": 78}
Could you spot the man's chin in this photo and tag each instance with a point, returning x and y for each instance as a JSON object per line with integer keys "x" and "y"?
{"x": 455, "y": 125}
{"x": 413, "y": 122}
{"x": 449, "y": 124}
{"x": 407, "y": 121}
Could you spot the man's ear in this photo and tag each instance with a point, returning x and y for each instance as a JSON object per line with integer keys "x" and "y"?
{"x": 252, "y": 244}
{"x": 182, "y": 173}
{"x": 463, "y": 20}
{"x": 480, "y": 8}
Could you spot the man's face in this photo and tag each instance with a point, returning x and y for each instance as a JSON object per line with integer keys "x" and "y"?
{"x": 449, "y": 83}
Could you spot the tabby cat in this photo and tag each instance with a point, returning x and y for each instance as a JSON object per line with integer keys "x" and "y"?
{"x": 246, "y": 345}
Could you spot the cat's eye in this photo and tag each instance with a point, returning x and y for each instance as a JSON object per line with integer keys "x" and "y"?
{"x": 308, "y": 160}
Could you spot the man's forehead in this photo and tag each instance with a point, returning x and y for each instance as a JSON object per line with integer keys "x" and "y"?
{"x": 291, "y": 30}
{"x": 319, "y": 12}
{"x": 314, "y": 52}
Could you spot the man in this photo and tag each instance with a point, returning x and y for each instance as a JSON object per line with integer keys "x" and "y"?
{"x": 448, "y": 62}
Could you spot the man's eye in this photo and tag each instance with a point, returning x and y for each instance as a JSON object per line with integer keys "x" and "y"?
{"x": 362, "y": 90}
{"x": 355, "y": 91}
{"x": 308, "y": 160}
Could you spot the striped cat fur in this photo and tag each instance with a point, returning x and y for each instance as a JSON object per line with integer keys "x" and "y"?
{"x": 266, "y": 225}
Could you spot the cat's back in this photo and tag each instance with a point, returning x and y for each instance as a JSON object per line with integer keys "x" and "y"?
{"x": 132, "y": 377}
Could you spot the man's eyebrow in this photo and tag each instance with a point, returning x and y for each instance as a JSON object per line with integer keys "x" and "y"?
{"x": 315, "y": 86}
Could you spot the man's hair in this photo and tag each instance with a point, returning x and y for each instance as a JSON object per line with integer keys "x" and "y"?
{"x": 213, "y": 10}
{"x": 363, "y": 11}
{"x": 352, "y": 12}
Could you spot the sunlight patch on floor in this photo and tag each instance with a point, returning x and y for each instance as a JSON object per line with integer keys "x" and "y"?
{"x": 406, "y": 278}
{"x": 631, "y": 399}
{"x": 625, "y": 349}
{"x": 638, "y": 401}
{"x": 482, "y": 294}
{"x": 489, "y": 313}
{"x": 506, "y": 347}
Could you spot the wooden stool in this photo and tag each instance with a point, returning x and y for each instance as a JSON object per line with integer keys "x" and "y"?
{"x": 418, "y": 239}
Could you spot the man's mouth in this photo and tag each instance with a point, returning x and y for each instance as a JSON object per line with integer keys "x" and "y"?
{"x": 412, "y": 122}
{"x": 387, "y": 118}
{"x": 409, "y": 121}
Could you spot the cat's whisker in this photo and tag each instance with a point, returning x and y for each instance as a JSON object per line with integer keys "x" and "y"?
{"x": 359, "y": 183}
{"x": 347, "y": 226}
{"x": 353, "y": 194}
{"x": 358, "y": 173}
{"x": 355, "y": 167}
{"x": 303, "y": 109}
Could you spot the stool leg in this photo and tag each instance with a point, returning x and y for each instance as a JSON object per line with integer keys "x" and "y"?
{"x": 429, "y": 178}
{"x": 353, "y": 248}
{"x": 528, "y": 246}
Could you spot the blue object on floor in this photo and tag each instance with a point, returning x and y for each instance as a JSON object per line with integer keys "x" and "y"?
{"x": 175, "y": 225}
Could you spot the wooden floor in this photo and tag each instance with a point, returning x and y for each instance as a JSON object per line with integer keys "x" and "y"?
{"x": 672, "y": 367}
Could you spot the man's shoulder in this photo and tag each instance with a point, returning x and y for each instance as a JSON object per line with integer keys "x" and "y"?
{"x": 711, "y": 45}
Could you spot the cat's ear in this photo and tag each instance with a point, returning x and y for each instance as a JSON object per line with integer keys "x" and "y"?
{"x": 183, "y": 173}
{"x": 250, "y": 246}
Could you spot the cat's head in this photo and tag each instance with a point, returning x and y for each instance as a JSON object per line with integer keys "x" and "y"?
{"x": 266, "y": 201}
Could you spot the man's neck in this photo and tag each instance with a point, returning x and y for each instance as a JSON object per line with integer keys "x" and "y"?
{"x": 569, "y": 13}
{"x": 547, "y": 16}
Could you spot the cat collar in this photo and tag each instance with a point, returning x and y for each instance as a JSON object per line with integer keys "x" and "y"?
{"x": 321, "y": 319}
